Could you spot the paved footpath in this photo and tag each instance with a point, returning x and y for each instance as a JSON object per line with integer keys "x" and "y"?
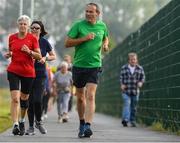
{"x": 106, "y": 129}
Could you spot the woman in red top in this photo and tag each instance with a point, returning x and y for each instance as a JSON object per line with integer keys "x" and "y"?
{"x": 23, "y": 49}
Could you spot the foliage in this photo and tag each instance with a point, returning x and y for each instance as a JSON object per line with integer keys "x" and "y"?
{"x": 157, "y": 126}
{"x": 121, "y": 16}
{"x": 5, "y": 123}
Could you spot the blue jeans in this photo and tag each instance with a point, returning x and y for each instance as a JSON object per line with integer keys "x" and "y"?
{"x": 129, "y": 107}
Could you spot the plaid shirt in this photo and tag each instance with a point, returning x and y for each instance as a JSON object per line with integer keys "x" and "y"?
{"x": 131, "y": 80}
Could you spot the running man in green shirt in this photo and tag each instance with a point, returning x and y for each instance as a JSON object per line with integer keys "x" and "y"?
{"x": 88, "y": 37}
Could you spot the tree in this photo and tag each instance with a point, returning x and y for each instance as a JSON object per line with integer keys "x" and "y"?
{"x": 121, "y": 16}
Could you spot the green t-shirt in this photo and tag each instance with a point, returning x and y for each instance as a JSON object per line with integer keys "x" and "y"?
{"x": 88, "y": 54}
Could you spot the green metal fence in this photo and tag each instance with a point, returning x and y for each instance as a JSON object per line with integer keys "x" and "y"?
{"x": 157, "y": 44}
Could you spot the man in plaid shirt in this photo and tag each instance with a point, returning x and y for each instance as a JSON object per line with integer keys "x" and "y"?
{"x": 132, "y": 78}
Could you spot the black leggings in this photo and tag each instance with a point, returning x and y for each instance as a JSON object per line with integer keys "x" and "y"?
{"x": 35, "y": 100}
{"x": 45, "y": 102}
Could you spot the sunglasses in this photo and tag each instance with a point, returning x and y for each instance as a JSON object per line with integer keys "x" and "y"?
{"x": 37, "y": 28}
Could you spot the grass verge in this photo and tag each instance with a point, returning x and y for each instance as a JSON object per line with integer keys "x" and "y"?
{"x": 5, "y": 119}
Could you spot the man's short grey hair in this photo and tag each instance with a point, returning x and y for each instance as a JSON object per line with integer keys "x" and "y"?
{"x": 24, "y": 17}
{"x": 132, "y": 54}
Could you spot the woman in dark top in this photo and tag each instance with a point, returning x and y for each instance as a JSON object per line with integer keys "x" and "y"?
{"x": 35, "y": 99}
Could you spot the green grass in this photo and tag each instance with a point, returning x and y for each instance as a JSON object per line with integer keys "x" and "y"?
{"x": 5, "y": 119}
{"x": 157, "y": 126}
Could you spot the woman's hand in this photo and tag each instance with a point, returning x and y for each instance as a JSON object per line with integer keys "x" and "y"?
{"x": 139, "y": 84}
{"x": 26, "y": 49}
{"x": 8, "y": 55}
{"x": 123, "y": 87}
{"x": 42, "y": 60}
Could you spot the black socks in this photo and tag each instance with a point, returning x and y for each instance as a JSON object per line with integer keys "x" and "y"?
{"x": 82, "y": 122}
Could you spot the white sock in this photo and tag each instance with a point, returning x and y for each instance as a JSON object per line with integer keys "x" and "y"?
{"x": 15, "y": 123}
{"x": 22, "y": 120}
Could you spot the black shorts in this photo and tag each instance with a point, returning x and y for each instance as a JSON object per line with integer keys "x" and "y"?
{"x": 82, "y": 76}
{"x": 17, "y": 82}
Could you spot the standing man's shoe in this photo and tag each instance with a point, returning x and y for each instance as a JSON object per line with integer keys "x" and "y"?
{"x": 124, "y": 123}
{"x": 133, "y": 124}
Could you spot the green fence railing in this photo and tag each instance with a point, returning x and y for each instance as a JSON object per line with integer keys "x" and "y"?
{"x": 157, "y": 44}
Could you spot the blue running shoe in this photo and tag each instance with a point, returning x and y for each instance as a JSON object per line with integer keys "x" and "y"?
{"x": 81, "y": 131}
{"x": 87, "y": 131}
